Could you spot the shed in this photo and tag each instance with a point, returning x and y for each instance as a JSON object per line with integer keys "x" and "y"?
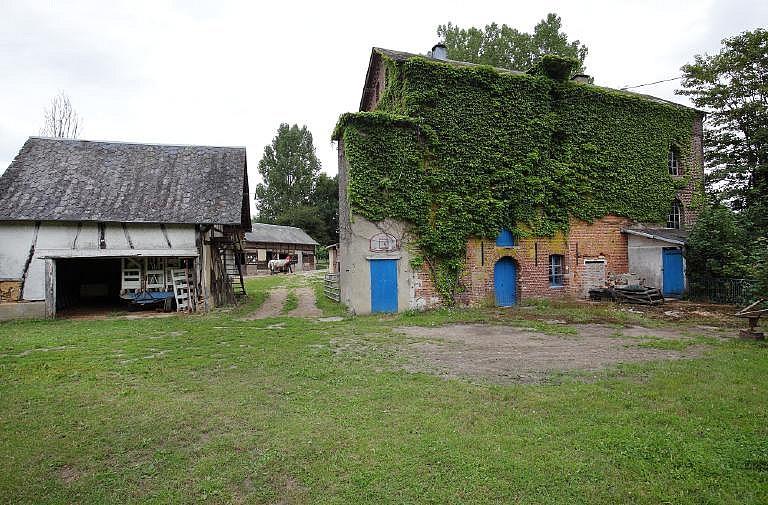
{"x": 656, "y": 256}
{"x": 267, "y": 242}
{"x": 93, "y": 223}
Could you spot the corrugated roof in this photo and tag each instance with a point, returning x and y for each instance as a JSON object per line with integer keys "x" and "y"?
{"x": 276, "y": 233}
{"x": 79, "y": 180}
{"x": 671, "y": 235}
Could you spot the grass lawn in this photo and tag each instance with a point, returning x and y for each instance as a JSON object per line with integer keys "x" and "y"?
{"x": 217, "y": 409}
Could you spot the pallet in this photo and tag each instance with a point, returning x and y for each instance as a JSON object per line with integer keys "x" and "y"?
{"x": 639, "y": 295}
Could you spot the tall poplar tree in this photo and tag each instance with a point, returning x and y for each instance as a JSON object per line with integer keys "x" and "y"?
{"x": 289, "y": 169}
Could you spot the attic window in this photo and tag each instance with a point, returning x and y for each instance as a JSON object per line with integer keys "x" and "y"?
{"x": 505, "y": 238}
{"x": 673, "y": 219}
{"x": 674, "y": 162}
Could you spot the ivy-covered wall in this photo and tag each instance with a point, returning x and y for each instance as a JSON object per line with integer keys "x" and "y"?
{"x": 463, "y": 151}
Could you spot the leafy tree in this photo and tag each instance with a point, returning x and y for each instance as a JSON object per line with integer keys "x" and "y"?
{"x": 308, "y": 219}
{"x": 760, "y": 255}
{"x": 507, "y": 47}
{"x": 325, "y": 199}
{"x": 731, "y": 86}
{"x": 288, "y": 168}
{"x": 718, "y": 246}
{"x": 60, "y": 120}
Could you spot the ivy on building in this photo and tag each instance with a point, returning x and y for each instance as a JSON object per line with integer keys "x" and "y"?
{"x": 463, "y": 151}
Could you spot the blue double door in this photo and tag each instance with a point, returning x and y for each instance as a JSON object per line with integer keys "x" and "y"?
{"x": 383, "y": 285}
{"x": 673, "y": 279}
{"x": 505, "y": 282}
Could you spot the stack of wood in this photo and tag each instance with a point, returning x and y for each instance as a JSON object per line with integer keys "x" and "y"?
{"x": 638, "y": 294}
{"x": 627, "y": 288}
{"x": 752, "y": 313}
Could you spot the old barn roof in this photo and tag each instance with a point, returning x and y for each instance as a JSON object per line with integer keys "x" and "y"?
{"x": 279, "y": 234}
{"x": 78, "y": 180}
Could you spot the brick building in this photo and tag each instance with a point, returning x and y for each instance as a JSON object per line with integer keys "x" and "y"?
{"x": 378, "y": 274}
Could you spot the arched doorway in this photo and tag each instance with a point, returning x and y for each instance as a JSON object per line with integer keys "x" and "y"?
{"x": 505, "y": 282}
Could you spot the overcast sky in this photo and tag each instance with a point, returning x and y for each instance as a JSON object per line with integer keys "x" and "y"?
{"x": 228, "y": 73}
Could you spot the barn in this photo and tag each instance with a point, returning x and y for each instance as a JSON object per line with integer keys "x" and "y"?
{"x": 267, "y": 242}
{"x": 98, "y": 225}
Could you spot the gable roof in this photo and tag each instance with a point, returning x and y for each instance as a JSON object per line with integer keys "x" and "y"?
{"x": 278, "y": 234}
{"x": 79, "y": 180}
{"x": 399, "y": 56}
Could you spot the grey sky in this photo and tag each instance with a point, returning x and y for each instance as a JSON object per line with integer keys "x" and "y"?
{"x": 227, "y": 73}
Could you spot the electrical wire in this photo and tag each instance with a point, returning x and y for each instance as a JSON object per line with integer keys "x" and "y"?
{"x": 652, "y": 83}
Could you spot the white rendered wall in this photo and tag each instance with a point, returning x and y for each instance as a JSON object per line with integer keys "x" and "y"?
{"x": 15, "y": 241}
{"x": 644, "y": 255}
{"x": 355, "y": 271}
{"x": 70, "y": 240}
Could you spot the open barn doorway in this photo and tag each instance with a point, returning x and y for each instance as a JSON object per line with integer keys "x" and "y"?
{"x": 87, "y": 285}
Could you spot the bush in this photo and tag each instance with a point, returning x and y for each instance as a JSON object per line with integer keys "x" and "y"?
{"x": 719, "y": 246}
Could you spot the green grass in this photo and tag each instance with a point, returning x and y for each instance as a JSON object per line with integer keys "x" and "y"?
{"x": 291, "y": 302}
{"x": 219, "y": 410}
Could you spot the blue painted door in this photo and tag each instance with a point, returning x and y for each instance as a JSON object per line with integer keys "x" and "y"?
{"x": 383, "y": 285}
{"x": 672, "y": 265}
{"x": 505, "y": 282}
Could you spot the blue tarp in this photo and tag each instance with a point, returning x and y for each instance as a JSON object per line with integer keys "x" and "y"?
{"x": 147, "y": 297}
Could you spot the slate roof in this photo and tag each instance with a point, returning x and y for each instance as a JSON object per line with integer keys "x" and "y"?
{"x": 403, "y": 56}
{"x": 79, "y": 180}
{"x": 278, "y": 234}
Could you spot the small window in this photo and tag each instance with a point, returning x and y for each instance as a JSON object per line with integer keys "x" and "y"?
{"x": 674, "y": 162}
{"x": 556, "y": 270}
{"x": 505, "y": 238}
{"x": 673, "y": 219}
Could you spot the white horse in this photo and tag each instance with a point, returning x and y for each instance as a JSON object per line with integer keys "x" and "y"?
{"x": 279, "y": 265}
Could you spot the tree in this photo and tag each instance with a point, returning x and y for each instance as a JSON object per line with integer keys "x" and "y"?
{"x": 718, "y": 247}
{"x": 508, "y": 47}
{"x": 307, "y": 218}
{"x": 288, "y": 168}
{"x": 731, "y": 86}
{"x": 61, "y": 120}
{"x": 325, "y": 199}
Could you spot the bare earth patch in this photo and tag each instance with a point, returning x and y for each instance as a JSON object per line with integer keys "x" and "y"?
{"x": 68, "y": 474}
{"x": 306, "y": 307}
{"x": 512, "y": 354}
{"x": 272, "y": 306}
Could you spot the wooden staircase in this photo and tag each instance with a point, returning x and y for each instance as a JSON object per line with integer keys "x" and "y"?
{"x": 228, "y": 254}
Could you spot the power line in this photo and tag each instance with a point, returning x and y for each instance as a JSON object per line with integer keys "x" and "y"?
{"x": 652, "y": 83}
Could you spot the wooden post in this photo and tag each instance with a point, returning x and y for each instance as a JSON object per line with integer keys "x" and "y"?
{"x": 50, "y": 288}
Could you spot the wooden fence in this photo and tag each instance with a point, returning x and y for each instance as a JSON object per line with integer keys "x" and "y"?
{"x": 331, "y": 287}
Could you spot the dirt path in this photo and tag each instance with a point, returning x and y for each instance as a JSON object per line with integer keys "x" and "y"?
{"x": 306, "y": 306}
{"x": 272, "y": 306}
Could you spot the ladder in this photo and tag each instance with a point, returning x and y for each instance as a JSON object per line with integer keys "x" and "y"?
{"x": 181, "y": 290}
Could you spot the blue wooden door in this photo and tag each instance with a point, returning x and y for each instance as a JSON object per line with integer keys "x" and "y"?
{"x": 672, "y": 264}
{"x": 383, "y": 285}
{"x": 505, "y": 282}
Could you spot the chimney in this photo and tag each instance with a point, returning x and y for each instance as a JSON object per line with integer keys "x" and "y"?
{"x": 439, "y": 51}
{"x": 583, "y": 78}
